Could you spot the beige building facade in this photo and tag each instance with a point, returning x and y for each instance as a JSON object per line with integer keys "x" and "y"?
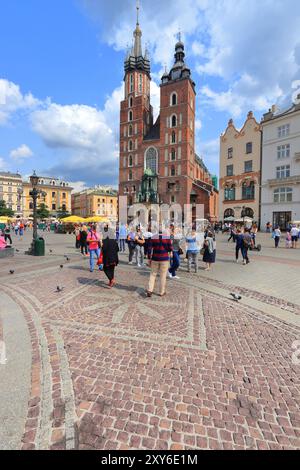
{"x": 101, "y": 201}
{"x": 240, "y": 170}
{"x": 11, "y": 191}
{"x": 57, "y": 195}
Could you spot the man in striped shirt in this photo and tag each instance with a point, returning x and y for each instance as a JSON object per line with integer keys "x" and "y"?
{"x": 160, "y": 250}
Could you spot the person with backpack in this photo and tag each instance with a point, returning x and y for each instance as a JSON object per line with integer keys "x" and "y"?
{"x": 131, "y": 244}
{"x": 247, "y": 242}
{"x": 94, "y": 244}
{"x": 7, "y": 235}
{"x": 139, "y": 248}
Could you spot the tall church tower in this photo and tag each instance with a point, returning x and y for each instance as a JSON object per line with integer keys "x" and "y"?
{"x": 136, "y": 116}
{"x": 177, "y": 127}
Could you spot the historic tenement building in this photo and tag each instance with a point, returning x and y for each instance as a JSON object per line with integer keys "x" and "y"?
{"x": 99, "y": 201}
{"x": 158, "y": 163}
{"x": 280, "y": 200}
{"x": 240, "y": 163}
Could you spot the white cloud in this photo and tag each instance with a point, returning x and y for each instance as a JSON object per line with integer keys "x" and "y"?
{"x": 13, "y": 100}
{"x": 3, "y": 165}
{"x": 21, "y": 152}
{"x": 77, "y": 186}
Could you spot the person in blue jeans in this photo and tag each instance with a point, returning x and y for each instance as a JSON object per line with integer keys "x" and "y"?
{"x": 175, "y": 260}
{"x": 93, "y": 241}
{"x": 122, "y": 237}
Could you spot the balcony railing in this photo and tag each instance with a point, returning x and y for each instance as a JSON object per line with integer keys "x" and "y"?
{"x": 284, "y": 181}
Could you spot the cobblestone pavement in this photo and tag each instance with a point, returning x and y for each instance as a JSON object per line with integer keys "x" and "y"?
{"x": 111, "y": 369}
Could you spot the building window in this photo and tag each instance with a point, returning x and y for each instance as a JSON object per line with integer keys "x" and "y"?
{"x": 64, "y": 207}
{"x": 230, "y": 152}
{"x": 173, "y": 171}
{"x": 248, "y": 191}
{"x": 130, "y": 102}
{"x": 130, "y": 145}
{"x": 283, "y": 151}
{"x": 173, "y": 121}
{"x": 284, "y": 130}
{"x": 64, "y": 195}
{"x": 174, "y": 99}
{"x": 130, "y": 176}
{"x": 130, "y": 130}
{"x": 151, "y": 160}
{"x": 53, "y": 207}
{"x": 131, "y": 83}
{"x": 130, "y": 161}
{"x": 248, "y": 166}
{"x": 53, "y": 194}
{"x": 173, "y": 154}
{"x": 130, "y": 116}
{"x": 283, "y": 195}
{"x": 173, "y": 138}
{"x": 133, "y": 188}
{"x": 228, "y": 213}
{"x": 229, "y": 194}
{"x": 249, "y": 147}
{"x": 229, "y": 170}
{"x": 283, "y": 172}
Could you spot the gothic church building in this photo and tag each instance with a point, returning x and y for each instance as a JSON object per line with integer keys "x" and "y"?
{"x": 158, "y": 163}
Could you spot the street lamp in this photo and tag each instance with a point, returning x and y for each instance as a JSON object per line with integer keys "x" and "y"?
{"x": 35, "y": 193}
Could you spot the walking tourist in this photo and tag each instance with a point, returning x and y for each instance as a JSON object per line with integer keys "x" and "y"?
{"x": 7, "y": 235}
{"x": 94, "y": 244}
{"x": 122, "y": 237}
{"x": 83, "y": 242}
{"x": 288, "y": 240}
{"x": 239, "y": 244}
{"x": 209, "y": 256}
{"x": 160, "y": 250}
{"x": 131, "y": 244}
{"x": 77, "y": 237}
{"x": 295, "y": 236}
{"x": 277, "y": 235}
{"x": 192, "y": 250}
{"x": 139, "y": 248}
{"x": 176, "y": 239}
{"x": 247, "y": 242}
{"x": 110, "y": 249}
{"x": 232, "y": 233}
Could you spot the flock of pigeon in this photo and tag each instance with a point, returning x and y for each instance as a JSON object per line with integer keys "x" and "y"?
{"x": 235, "y": 297}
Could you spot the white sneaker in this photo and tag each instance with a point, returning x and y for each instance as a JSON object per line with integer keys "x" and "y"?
{"x": 176, "y": 277}
{"x": 130, "y": 262}
{"x": 139, "y": 266}
{"x": 170, "y": 275}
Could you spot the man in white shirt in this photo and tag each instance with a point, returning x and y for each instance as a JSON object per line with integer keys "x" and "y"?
{"x": 294, "y": 235}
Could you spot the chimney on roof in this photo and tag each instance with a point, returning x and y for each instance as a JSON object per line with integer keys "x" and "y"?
{"x": 274, "y": 108}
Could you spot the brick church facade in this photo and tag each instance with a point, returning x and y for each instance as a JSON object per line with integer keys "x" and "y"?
{"x": 158, "y": 163}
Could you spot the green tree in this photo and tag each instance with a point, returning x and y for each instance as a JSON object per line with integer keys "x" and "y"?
{"x": 42, "y": 211}
{"x": 5, "y": 211}
{"x": 62, "y": 213}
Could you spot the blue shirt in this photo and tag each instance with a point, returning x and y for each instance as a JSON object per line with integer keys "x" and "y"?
{"x": 192, "y": 245}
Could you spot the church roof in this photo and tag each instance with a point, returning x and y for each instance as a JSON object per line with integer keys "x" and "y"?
{"x": 154, "y": 132}
{"x": 135, "y": 60}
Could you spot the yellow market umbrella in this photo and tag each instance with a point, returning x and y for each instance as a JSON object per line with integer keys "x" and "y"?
{"x": 97, "y": 218}
{"x": 4, "y": 219}
{"x": 73, "y": 219}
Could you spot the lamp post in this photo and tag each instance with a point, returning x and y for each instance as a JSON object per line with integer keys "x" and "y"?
{"x": 34, "y": 193}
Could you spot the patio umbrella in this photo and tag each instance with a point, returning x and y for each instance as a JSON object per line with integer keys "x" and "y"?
{"x": 73, "y": 219}
{"x": 98, "y": 219}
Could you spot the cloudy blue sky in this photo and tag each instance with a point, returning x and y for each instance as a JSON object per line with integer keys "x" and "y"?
{"x": 61, "y": 74}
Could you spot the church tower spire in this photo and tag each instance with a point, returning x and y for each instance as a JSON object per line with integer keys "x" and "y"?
{"x": 135, "y": 60}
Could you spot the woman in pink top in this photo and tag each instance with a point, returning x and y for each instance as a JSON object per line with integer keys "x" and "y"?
{"x": 94, "y": 244}
{"x": 2, "y": 241}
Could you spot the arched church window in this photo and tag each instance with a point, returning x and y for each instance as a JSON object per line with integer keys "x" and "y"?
{"x": 173, "y": 154}
{"x": 140, "y": 83}
{"x": 174, "y": 99}
{"x": 130, "y": 145}
{"x": 173, "y": 172}
{"x": 130, "y": 116}
{"x": 130, "y": 161}
{"x": 130, "y": 102}
{"x": 174, "y": 121}
{"x": 131, "y": 83}
{"x": 130, "y": 130}
{"x": 173, "y": 138}
{"x": 151, "y": 160}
